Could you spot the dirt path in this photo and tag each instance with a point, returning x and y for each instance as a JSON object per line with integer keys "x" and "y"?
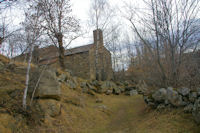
{"x": 131, "y": 115}
{"x": 127, "y": 115}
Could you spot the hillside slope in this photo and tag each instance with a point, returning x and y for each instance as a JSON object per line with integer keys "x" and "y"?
{"x": 79, "y": 112}
{"x": 131, "y": 115}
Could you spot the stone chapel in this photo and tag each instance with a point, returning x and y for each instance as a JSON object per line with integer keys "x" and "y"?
{"x": 92, "y": 61}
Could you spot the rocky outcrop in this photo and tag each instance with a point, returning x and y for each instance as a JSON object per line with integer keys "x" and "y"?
{"x": 196, "y": 111}
{"x": 131, "y": 92}
{"x": 108, "y": 85}
{"x": 142, "y": 88}
{"x": 49, "y": 87}
{"x": 174, "y": 98}
{"x": 182, "y": 97}
{"x": 192, "y": 97}
{"x": 167, "y": 97}
{"x": 50, "y": 107}
{"x": 71, "y": 84}
{"x": 48, "y": 91}
{"x": 49, "y": 96}
{"x": 188, "y": 108}
{"x": 160, "y": 95}
{"x": 184, "y": 91}
{"x": 74, "y": 100}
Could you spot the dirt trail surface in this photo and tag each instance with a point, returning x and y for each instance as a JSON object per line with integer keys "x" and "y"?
{"x": 131, "y": 115}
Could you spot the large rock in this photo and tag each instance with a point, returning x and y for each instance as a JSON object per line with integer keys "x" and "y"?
{"x": 50, "y": 107}
{"x": 149, "y": 101}
{"x": 49, "y": 87}
{"x": 71, "y": 84}
{"x": 160, "y": 107}
{"x": 87, "y": 88}
{"x": 184, "y": 91}
{"x": 99, "y": 100}
{"x": 193, "y": 96}
{"x": 108, "y": 85}
{"x": 160, "y": 95}
{"x": 142, "y": 88}
{"x": 130, "y": 88}
{"x": 122, "y": 89}
{"x": 131, "y": 93}
{"x": 116, "y": 90}
{"x": 198, "y": 91}
{"x": 74, "y": 100}
{"x": 62, "y": 78}
{"x": 188, "y": 108}
{"x": 95, "y": 83}
{"x": 196, "y": 111}
{"x": 108, "y": 92}
{"x": 174, "y": 98}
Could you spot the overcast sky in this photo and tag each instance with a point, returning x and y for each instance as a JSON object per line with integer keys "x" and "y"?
{"x": 80, "y": 9}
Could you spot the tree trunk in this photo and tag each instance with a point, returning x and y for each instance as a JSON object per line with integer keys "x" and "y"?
{"x": 97, "y": 56}
{"x": 1, "y": 41}
{"x": 59, "y": 37}
{"x": 27, "y": 78}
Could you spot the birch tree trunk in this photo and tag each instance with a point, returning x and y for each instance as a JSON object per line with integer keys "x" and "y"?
{"x": 27, "y": 78}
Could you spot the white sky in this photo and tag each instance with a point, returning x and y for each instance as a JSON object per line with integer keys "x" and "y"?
{"x": 80, "y": 9}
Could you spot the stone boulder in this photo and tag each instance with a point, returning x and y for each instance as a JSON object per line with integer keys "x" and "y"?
{"x": 192, "y": 97}
{"x": 116, "y": 90}
{"x": 160, "y": 107}
{"x": 188, "y": 108}
{"x": 84, "y": 87}
{"x": 174, "y": 98}
{"x": 122, "y": 89}
{"x": 108, "y": 85}
{"x": 142, "y": 88}
{"x": 50, "y": 107}
{"x": 160, "y": 95}
{"x": 184, "y": 91}
{"x": 131, "y": 93}
{"x": 198, "y": 91}
{"x": 74, "y": 100}
{"x": 48, "y": 88}
{"x": 109, "y": 92}
{"x": 196, "y": 111}
{"x": 99, "y": 100}
{"x": 71, "y": 84}
{"x": 87, "y": 88}
{"x": 130, "y": 88}
{"x": 104, "y": 87}
{"x": 119, "y": 84}
{"x": 62, "y": 78}
{"x": 95, "y": 83}
{"x": 149, "y": 101}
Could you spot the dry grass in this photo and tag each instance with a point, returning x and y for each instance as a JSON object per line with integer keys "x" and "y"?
{"x": 81, "y": 114}
{"x": 131, "y": 115}
{"x": 24, "y": 64}
{"x": 4, "y": 59}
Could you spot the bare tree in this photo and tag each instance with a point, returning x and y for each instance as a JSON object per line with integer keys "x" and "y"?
{"x": 5, "y": 30}
{"x": 58, "y": 22}
{"x": 170, "y": 27}
{"x": 101, "y": 16}
{"x": 33, "y": 33}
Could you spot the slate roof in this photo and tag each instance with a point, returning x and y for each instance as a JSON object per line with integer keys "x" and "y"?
{"x": 80, "y": 49}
